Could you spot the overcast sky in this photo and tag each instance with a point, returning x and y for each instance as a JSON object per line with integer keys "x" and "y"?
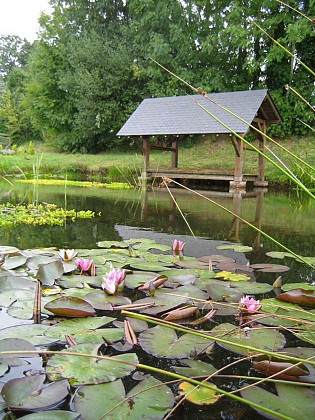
{"x": 19, "y": 17}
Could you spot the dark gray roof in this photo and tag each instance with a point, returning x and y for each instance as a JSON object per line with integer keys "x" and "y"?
{"x": 182, "y": 115}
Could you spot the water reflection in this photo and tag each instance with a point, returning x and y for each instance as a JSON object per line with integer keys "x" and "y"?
{"x": 135, "y": 212}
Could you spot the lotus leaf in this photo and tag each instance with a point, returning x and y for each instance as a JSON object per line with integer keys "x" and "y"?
{"x": 235, "y": 247}
{"x": 89, "y": 370}
{"x": 34, "y": 333}
{"x": 53, "y": 415}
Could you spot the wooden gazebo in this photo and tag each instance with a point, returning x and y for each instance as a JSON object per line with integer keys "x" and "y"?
{"x": 178, "y": 116}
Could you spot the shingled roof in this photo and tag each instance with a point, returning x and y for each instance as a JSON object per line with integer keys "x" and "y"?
{"x": 181, "y": 114}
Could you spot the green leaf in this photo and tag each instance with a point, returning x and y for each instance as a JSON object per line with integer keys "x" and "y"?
{"x": 194, "y": 368}
{"x": 164, "y": 342}
{"x": 14, "y": 262}
{"x": 258, "y": 337}
{"x": 235, "y": 247}
{"x": 150, "y": 399}
{"x": 293, "y": 401}
{"x": 30, "y": 393}
{"x": 198, "y": 395}
{"x": 33, "y": 333}
{"x": 53, "y": 415}
{"x": 227, "y": 275}
{"x": 88, "y": 370}
{"x": 48, "y": 273}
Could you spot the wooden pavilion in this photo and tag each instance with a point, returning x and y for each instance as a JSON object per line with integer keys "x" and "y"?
{"x": 173, "y": 118}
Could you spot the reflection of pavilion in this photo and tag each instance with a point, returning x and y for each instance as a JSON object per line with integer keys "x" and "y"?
{"x": 237, "y": 196}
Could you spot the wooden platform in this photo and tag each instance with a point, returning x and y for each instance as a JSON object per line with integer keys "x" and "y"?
{"x": 199, "y": 174}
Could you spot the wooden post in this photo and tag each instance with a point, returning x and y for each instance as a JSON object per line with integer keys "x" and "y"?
{"x": 261, "y": 125}
{"x": 238, "y": 182}
{"x": 175, "y": 152}
{"x": 146, "y": 156}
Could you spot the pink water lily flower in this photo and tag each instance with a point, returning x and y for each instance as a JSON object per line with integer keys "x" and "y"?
{"x": 67, "y": 254}
{"x": 84, "y": 264}
{"x": 114, "y": 281}
{"x": 251, "y": 304}
{"x": 178, "y": 245}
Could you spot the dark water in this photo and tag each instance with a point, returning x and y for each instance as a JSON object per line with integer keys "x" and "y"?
{"x": 123, "y": 214}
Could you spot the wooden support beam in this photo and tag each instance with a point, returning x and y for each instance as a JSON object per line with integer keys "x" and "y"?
{"x": 146, "y": 156}
{"x": 239, "y": 153}
{"x": 174, "y": 152}
{"x": 262, "y": 148}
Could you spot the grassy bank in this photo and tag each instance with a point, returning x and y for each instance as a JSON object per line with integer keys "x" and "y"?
{"x": 117, "y": 166}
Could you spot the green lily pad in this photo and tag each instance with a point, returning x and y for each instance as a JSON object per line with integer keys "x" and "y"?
{"x": 223, "y": 292}
{"x": 112, "y": 244}
{"x": 17, "y": 282}
{"x": 34, "y": 262}
{"x": 101, "y": 301}
{"x": 290, "y": 286}
{"x": 11, "y": 344}
{"x": 235, "y": 247}
{"x": 7, "y": 297}
{"x": 53, "y": 415}
{"x": 147, "y": 266}
{"x": 86, "y": 330}
{"x": 70, "y": 306}
{"x": 258, "y": 337}
{"x": 137, "y": 279}
{"x": 34, "y": 333}
{"x": 229, "y": 276}
{"x": 270, "y": 268}
{"x": 290, "y": 310}
{"x": 22, "y": 309}
{"x": 30, "y": 393}
{"x": 252, "y": 287}
{"x": 89, "y": 370}
{"x": 194, "y": 368}
{"x": 14, "y": 262}
{"x": 305, "y": 333}
{"x": 151, "y": 399}
{"x": 164, "y": 342}
{"x": 48, "y": 273}
{"x": 192, "y": 264}
{"x": 293, "y": 401}
{"x": 198, "y": 395}
{"x": 279, "y": 254}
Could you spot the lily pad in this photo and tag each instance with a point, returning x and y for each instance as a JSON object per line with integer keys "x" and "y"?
{"x": 101, "y": 301}
{"x": 279, "y": 254}
{"x": 147, "y": 266}
{"x": 252, "y": 287}
{"x": 48, "y": 273}
{"x": 229, "y": 276}
{"x": 223, "y": 292}
{"x": 13, "y": 262}
{"x": 70, "y": 306}
{"x": 198, "y": 395}
{"x": 30, "y": 393}
{"x": 298, "y": 296}
{"x": 164, "y": 342}
{"x": 89, "y": 370}
{"x": 16, "y": 282}
{"x": 235, "y": 247}
{"x": 11, "y": 344}
{"x": 150, "y": 399}
{"x": 194, "y": 368}
{"x": 7, "y": 297}
{"x": 270, "y": 268}
{"x": 34, "y": 333}
{"x": 53, "y": 415}
{"x": 112, "y": 244}
{"x": 258, "y": 337}
{"x": 293, "y": 401}
{"x": 290, "y": 286}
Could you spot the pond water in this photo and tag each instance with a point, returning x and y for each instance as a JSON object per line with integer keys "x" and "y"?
{"x": 124, "y": 214}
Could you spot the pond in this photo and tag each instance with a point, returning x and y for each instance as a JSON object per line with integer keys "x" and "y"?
{"x": 224, "y": 261}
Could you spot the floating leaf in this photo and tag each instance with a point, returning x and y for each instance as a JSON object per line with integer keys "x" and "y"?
{"x": 163, "y": 342}
{"x": 150, "y": 399}
{"x": 288, "y": 310}
{"x": 258, "y": 337}
{"x": 22, "y": 309}
{"x": 48, "y": 273}
{"x": 305, "y": 333}
{"x": 53, "y": 415}
{"x": 16, "y": 282}
{"x": 299, "y": 296}
{"x": 13, "y": 262}
{"x": 293, "y": 401}
{"x": 101, "y": 301}
{"x": 70, "y": 306}
{"x": 279, "y": 254}
{"x": 270, "y": 268}
{"x": 137, "y": 279}
{"x": 223, "y": 293}
{"x": 34, "y": 333}
{"x": 290, "y": 286}
{"x": 86, "y": 330}
{"x": 30, "y": 393}
{"x": 235, "y": 247}
{"x": 147, "y": 266}
{"x": 194, "y": 368}
{"x": 229, "y": 276}
{"x": 89, "y": 370}
{"x": 112, "y": 244}
{"x": 181, "y": 313}
{"x": 11, "y": 344}
{"x": 198, "y": 395}
{"x": 216, "y": 259}
{"x": 192, "y": 263}
{"x": 252, "y": 287}
{"x": 234, "y": 267}
{"x": 7, "y": 297}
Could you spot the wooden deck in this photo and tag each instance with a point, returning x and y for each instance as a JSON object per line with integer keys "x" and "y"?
{"x": 198, "y": 174}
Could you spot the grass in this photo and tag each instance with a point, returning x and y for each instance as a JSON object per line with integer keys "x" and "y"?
{"x": 206, "y": 153}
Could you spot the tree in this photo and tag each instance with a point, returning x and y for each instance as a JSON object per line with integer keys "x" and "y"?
{"x": 14, "y": 52}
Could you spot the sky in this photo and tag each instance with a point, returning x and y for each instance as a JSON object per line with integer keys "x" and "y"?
{"x": 19, "y": 17}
